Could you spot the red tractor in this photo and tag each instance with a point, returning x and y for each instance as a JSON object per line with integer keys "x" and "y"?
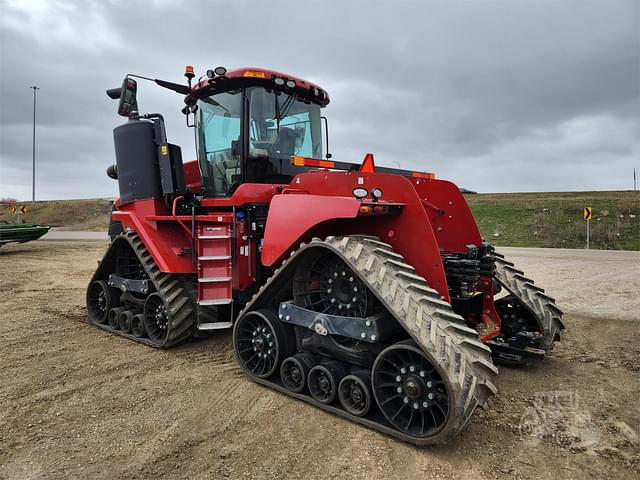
{"x": 365, "y": 291}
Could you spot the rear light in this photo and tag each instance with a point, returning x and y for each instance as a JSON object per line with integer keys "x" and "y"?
{"x": 368, "y": 209}
{"x": 298, "y": 161}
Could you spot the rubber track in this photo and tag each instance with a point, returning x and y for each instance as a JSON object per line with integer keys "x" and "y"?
{"x": 533, "y": 298}
{"x": 180, "y": 304}
{"x": 464, "y": 360}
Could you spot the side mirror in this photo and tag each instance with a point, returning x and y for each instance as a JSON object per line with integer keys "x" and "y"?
{"x": 128, "y": 102}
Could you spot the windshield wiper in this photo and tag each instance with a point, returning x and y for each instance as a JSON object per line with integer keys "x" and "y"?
{"x": 282, "y": 113}
{"x": 215, "y": 104}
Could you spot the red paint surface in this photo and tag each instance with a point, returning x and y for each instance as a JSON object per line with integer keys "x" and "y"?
{"x": 293, "y": 215}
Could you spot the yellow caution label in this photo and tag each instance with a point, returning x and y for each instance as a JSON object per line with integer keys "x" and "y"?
{"x": 164, "y": 149}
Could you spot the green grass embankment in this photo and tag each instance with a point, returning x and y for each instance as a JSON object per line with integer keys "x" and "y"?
{"x": 555, "y": 219}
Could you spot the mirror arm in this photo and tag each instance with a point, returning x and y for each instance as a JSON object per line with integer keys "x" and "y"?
{"x": 326, "y": 133}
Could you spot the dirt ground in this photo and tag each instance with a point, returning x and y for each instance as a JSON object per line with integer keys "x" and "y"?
{"x": 76, "y": 402}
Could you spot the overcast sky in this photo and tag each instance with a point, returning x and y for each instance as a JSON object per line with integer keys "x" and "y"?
{"x": 496, "y": 96}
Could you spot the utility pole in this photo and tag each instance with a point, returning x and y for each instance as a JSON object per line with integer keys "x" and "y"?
{"x": 33, "y": 184}
{"x": 634, "y": 179}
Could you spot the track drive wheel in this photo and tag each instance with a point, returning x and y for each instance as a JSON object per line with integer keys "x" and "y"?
{"x": 100, "y": 300}
{"x": 410, "y": 390}
{"x": 261, "y": 342}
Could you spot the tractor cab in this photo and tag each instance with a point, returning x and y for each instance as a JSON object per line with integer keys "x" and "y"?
{"x": 248, "y": 125}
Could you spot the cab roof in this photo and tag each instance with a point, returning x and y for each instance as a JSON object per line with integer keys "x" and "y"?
{"x": 260, "y": 77}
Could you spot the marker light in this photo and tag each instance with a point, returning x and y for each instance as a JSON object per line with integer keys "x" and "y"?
{"x": 188, "y": 71}
{"x": 291, "y": 84}
{"x": 298, "y": 161}
{"x": 278, "y": 81}
{"x": 376, "y": 193}
{"x": 220, "y": 71}
{"x": 423, "y": 175}
{"x": 253, "y": 73}
{"x": 211, "y": 74}
{"x": 360, "y": 192}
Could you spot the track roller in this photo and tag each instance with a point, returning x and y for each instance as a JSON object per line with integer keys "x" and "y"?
{"x": 354, "y": 392}
{"x": 114, "y": 317}
{"x": 137, "y": 326}
{"x": 261, "y": 342}
{"x": 294, "y": 371}
{"x": 124, "y": 320}
{"x": 323, "y": 381}
{"x": 99, "y": 301}
{"x": 410, "y": 390}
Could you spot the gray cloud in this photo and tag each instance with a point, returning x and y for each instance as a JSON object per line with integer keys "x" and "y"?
{"x": 494, "y": 95}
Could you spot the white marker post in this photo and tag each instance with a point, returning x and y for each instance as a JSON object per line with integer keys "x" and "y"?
{"x": 587, "y": 214}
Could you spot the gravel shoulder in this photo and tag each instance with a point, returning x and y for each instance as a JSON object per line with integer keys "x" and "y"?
{"x": 76, "y": 402}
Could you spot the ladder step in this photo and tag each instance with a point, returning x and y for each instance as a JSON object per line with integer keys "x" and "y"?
{"x": 215, "y": 326}
{"x": 214, "y": 279}
{"x": 213, "y": 237}
{"x": 215, "y": 257}
{"x": 218, "y": 301}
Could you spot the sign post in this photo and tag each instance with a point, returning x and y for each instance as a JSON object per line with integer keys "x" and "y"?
{"x": 587, "y": 214}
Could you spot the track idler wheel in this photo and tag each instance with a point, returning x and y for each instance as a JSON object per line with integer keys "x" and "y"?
{"x": 114, "y": 317}
{"x": 100, "y": 300}
{"x": 294, "y": 371}
{"x": 261, "y": 342}
{"x": 137, "y": 326}
{"x": 354, "y": 392}
{"x": 323, "y": 381}
{"x": 156, "y": 318}
{"x": 410, "y": 390}
{"x": 124, "y": 320}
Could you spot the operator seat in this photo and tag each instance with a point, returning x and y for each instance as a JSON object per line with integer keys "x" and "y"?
{"x": 285, "y": 144}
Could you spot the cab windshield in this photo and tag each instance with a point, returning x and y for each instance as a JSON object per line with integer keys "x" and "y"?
{"x": 278, "y": 126}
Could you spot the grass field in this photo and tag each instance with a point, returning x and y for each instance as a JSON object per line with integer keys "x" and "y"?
{"x": 505, "y": 219}
{"x": 555, "y": 219}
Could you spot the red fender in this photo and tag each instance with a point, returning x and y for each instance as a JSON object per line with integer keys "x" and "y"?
{"x": 292, "y": 215}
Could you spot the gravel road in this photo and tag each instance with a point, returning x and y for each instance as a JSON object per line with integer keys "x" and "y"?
{"x": 76, "y": 402}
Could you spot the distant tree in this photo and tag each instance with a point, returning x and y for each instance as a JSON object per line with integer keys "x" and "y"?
{"x": 8, "y": 200}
